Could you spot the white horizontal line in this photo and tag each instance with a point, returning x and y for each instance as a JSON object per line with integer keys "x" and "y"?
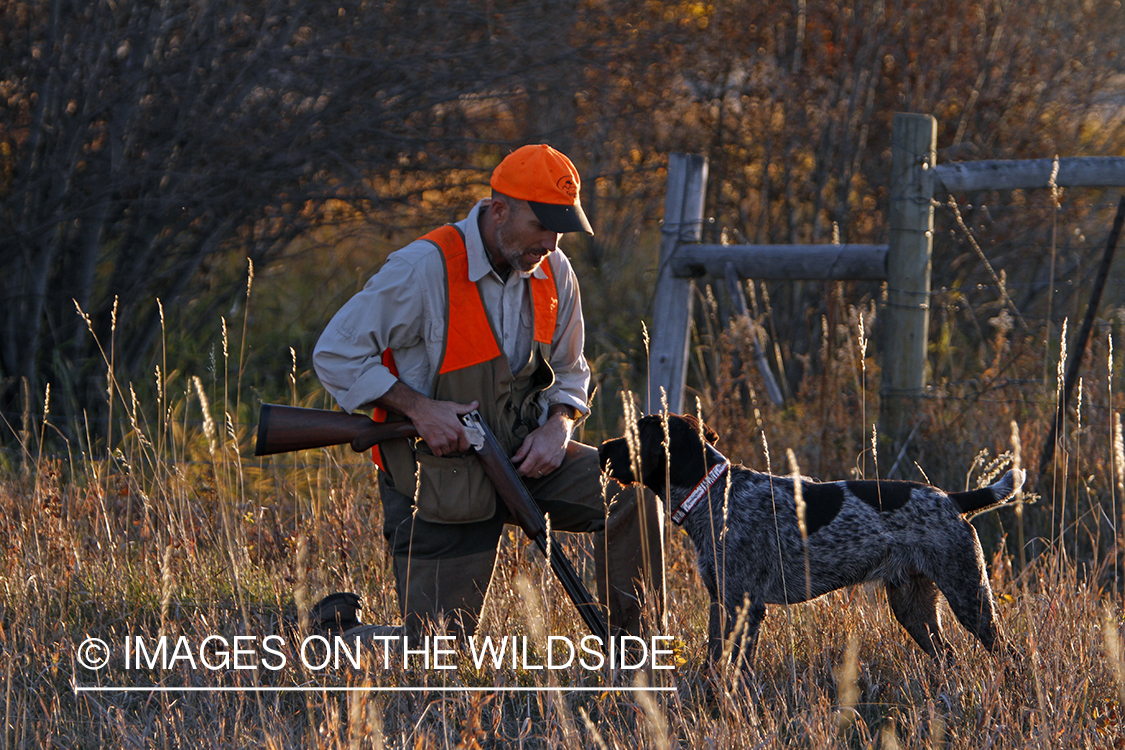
{"x": 355, "y": 689}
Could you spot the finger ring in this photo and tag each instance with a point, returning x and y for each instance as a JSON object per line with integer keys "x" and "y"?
{"x": 540, "y": 473}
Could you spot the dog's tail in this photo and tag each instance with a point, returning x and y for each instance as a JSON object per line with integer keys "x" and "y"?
{"x": 986, "y": 498}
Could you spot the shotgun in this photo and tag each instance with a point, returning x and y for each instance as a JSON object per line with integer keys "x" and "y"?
{"x": 289, "y": 428}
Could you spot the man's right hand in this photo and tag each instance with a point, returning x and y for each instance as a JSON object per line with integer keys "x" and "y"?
{"x": 437, "y": 422}
{"x": 439, "y": 426}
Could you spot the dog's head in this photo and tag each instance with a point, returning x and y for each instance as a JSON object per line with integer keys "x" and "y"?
{"x": 687, "y": 439}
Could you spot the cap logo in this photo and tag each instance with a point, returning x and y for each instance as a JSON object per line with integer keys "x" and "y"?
{"x": 566, "y": 185}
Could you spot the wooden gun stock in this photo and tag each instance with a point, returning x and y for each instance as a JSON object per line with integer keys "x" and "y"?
{"x": 291, "y": 428}
{"x": 282, "y": 429}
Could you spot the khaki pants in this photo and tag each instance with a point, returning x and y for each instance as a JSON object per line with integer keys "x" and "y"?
{"x": 443, "y": 570}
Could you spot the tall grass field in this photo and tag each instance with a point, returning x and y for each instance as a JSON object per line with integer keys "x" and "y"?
{"x": 169, "y": 528}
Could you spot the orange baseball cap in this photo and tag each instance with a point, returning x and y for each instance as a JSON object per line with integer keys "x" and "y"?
{"x": 548, "y": 181}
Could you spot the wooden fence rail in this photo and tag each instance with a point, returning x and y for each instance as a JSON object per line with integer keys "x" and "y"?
{"x": 824, "y": 262}
{"x": 1074, "y": 171}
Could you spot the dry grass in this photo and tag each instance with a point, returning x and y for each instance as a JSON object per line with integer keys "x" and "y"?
{"x": 176, "y": 533}
{"x": 182, "y": 548}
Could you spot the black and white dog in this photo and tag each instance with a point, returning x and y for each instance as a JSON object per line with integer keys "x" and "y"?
{"x": 913, "y": 537}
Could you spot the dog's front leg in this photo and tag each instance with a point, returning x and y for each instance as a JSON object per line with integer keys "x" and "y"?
{"x": 743, "y": 622}
{"x": 715, "y": 630}
{"x": 733, "y": 622}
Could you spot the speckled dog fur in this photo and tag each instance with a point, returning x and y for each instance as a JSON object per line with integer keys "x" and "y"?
{"x": 913, "y": 537}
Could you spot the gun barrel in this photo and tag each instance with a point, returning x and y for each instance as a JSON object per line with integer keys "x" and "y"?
{"x": 527, "y": 514}
{"x": 572, "y": 584}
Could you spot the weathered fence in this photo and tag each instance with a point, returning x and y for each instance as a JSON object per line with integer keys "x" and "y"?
{"x": 905, "y": 262}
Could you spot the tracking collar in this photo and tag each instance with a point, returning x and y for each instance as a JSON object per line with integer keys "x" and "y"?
{"x": 701, "y": 490}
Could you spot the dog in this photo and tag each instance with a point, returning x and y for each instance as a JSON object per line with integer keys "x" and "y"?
{"x": 748, "y": 538}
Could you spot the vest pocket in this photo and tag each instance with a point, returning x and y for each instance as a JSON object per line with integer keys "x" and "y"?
{"x": 454, "y": 489}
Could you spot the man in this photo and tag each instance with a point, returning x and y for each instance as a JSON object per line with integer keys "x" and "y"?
{"x": 485, "y": 314}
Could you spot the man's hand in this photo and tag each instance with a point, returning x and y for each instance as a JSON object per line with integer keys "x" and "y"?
{"x": 439, "y": 426}
{"x": 543, "y": 450}
{"x": 437, "y": 422}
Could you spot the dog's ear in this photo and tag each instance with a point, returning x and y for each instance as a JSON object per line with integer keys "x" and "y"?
{"x": 697, "y": 426}
{"x": 651, "y": 434}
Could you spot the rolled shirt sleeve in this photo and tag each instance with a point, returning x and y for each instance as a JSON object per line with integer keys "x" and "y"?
{"x": 390, "y": 312}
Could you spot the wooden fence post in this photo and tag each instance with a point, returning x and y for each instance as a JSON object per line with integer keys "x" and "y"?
{"x": 683, "y": 222}
{"x": 907, "y": 317}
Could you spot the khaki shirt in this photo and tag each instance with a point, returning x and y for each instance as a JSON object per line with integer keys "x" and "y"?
{"x": 403, "y": 307}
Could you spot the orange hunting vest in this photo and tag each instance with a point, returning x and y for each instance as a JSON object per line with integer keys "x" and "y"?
{"x": 473, "y": 361}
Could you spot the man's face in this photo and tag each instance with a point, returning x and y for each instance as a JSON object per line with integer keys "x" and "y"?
{"x": 523, "y": 241}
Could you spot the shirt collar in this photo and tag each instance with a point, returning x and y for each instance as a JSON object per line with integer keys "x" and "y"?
{"x": 479, "y": 265}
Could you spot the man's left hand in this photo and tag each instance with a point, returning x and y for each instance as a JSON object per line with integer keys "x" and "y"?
{"x": 543, "y": 450}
